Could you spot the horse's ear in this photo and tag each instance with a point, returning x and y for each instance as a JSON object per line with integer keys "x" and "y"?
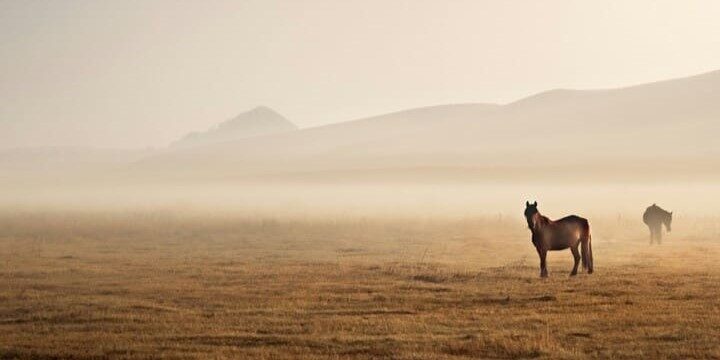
{"x": 527, "y": 203}
{"x": 535, "y": 203}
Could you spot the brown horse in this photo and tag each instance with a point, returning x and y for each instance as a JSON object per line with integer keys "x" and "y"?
{"x": 655, "y": 217}
{"x": 569, "y": 232}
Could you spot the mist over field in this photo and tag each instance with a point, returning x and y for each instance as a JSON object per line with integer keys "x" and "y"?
{"x": 607, "y": 151}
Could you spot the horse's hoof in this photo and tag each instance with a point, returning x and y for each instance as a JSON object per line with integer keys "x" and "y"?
{"x": 573, "y": 273}
{"x": 590, "y": 271}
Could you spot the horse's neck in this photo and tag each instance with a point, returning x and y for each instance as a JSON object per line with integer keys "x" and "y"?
{"x": 539, "y": 221}
{"x": 661, "y": 212}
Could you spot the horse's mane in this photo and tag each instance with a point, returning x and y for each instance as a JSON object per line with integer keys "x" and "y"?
{"x": 538, "y": 221}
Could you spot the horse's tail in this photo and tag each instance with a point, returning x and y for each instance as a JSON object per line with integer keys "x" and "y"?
{"x": 586, "y": 248}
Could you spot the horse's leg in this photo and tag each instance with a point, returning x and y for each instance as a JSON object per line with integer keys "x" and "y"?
{"x": 589, "y": 257}
{"x": 543, "y": 267}
{"x": 652, "y": 233}
{"x": 576, "y": 256}
{"x": 658, "y": 231}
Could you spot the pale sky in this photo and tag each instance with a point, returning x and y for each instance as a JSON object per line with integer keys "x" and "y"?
{"x": 142, "y": 73}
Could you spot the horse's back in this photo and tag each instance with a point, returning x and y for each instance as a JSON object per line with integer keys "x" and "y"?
{"x": 568, "y": 231}
{"x": 652, "y": 215}
{"x": 574, "y": 219}
{"x": 575, "y": 224}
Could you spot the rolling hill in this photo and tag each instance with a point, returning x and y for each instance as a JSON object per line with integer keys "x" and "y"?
{"x": 665, "y": 127}
{"x": 656, "y": 131}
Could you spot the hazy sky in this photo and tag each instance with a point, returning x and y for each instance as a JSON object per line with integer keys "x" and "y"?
{"x": 142, "y": 73}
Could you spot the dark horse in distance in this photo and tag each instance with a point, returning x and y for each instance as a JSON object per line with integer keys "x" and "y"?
{"x": 654, "y": 217}
{"x": 569, "y": 232}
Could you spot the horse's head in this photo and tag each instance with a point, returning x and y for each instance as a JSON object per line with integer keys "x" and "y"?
{"x": 530, "y": 211}
{"x": 667, "y": 220}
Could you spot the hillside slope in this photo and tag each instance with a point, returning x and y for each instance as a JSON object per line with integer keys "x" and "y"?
{"x": 668, "y": 124}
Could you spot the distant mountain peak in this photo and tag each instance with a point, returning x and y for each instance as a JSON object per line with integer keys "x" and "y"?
{"x": 262, "y": 108}
{"x": 258, "y": 121}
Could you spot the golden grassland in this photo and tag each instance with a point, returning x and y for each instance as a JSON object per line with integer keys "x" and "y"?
{"x": 183, "y": 285}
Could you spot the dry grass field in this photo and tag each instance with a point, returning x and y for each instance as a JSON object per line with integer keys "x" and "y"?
{"x": 187, "y": 285}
